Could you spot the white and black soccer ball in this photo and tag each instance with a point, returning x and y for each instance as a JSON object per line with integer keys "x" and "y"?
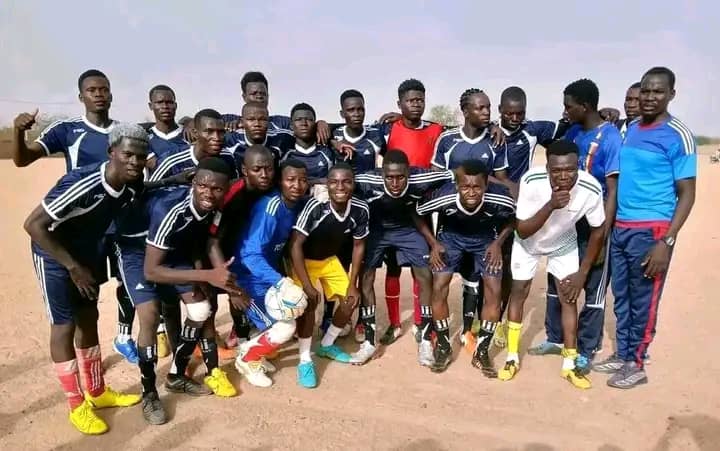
{"x": 285, "y": 300}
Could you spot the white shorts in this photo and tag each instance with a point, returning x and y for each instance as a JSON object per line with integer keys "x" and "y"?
{"x": 524, "y": 265}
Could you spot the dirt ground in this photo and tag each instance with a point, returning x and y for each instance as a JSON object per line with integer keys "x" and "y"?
{"x": 391, "y": 403}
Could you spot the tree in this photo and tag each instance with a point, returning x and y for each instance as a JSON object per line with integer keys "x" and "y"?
{"x": 446, "y": 115}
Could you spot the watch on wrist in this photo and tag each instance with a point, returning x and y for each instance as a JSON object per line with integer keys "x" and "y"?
{"x": 669, "y": 240}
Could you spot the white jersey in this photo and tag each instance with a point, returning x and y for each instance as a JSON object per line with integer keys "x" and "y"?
{"x": 558, "y": 236}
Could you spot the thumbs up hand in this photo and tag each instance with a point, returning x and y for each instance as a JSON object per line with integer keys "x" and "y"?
{"x": 25, "y": 121}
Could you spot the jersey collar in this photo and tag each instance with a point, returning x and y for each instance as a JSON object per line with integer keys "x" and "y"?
{"x": 467, "y": 212}
{"x": 195, "y": 213}
{"x": 338, "y": 216}
{"x": 250, "y": 143}
{"x": 110, "y": 190}
{"x": 401, "y": 194}
{"x": 99, "y": 129}
{"x": 192, "y": 155}
{"x": 473, "y": 141}
{"x": 168, "y": 136}
{"x": 512, "y": 132}
{"x": 350, "y": 139}
{"x": 307, "y": 151}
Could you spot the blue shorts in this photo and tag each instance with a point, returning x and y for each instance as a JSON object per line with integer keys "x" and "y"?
{"x": 131, "y": 262}
{"x": 409, "y": 246}
{"x": 257, "y": 312}
{"x": 466, "y": 256}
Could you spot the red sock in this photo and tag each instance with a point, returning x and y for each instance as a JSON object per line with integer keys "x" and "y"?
{"x": 90, "y": 362}
{"x": 392, "y": 299}
{"x": 259, "y": 348}
{"x": 69, "y": 376}
{"x": 416, "y": 302}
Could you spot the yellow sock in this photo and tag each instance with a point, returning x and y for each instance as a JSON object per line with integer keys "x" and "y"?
{"x": 513, "y": 337}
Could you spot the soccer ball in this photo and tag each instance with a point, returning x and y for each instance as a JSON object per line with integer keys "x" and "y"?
{"x": 285, "y": 301}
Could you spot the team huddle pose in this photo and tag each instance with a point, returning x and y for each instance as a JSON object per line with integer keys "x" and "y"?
{"x": 285, "y": 214}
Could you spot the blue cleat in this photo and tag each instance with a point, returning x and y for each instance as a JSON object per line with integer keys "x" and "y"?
{"x": 582, "y": 365}
{"x": 333, "y": 352}
{"x": 127, "y": 350}
{"x": 306, "y": 374}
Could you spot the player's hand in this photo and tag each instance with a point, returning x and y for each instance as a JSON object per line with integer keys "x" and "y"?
{"x": 322, "y": 132}
{"x": 389, "y": 118}
{"x": 609, "y": 114}
{"x": 84, "y": 281}
{"x": 240, "y": 300}
{"x": 657, "y": 260}
{"x": 559, "y": 199}
{"x": 25, "y": 121}
{"x": 353, "y": 296}
{"x": 222, "y": 277}
{"x": 571, "y": 286}
{"x": 313, "y": 296}
{"x": 344, "y": 148}
{"x": 493, "y": 258}
{"x": 183, "y": 178}
{"x": 497, "y": 135}
{"x": 437, "y": 257}
{"x": 202, "y": 291}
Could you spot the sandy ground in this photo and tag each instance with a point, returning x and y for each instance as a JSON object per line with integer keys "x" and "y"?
{"x": 391, "y": 403}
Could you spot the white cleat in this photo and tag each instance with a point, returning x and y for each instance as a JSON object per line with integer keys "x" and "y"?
{"x": 254, "y": 372}
{"x": 425, "y": 353}
{"x": 363, "y": 354}
{"x": 268, "y": 366}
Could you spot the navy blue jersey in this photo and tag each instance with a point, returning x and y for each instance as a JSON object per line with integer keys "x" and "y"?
{"x": 275, "y": 122}
{"x": 173, "y": 163}
{"x": 317, "y": 158}
{"x": 453, "y": 148}
{"x": 368, "y": 146}
{"x": 277, "y": 141}
{"x": 496, "y": 208}
{"x": 389, "y": 212}
{"x": 166, "y": 144}
{"x": 81, "y": 142}
{"x": 522, "y": 141}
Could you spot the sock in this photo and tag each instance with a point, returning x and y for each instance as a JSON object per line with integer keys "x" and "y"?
{"x": 328, "y": 312}
{"x": 442, "y": 327}
{"x": 126, "y": 314}
{"x": 241, "y": 324}
{"x": 569, "y": 355}
{"x": 330, "y": 336}
{"x": 416, "y": 303}
{"x": 469, "y": 303}
{"x": 426, "y": 322}
{"x": 161, "y": 326}
{"x": 188, "y": 340}
{"x": 147, "y": 361}
{"x": 487, "y": 329}
{"x": 368, "y": 318}
{"x": 513, "y": 338}
{"x": 304, "y": 345}
{"x": 69, "y": 377}
{"x": 90, "y": 363}
{"x": 392, "y": 299}
{"x": 260, "y": 346}
{"x": 209, "y": 349}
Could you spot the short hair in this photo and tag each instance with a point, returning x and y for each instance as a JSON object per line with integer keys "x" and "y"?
{"x": 465, "y": 96}
{"x": 662, "y": 70}
{"x": 252, "y": 77}
{"x": 216, "y": 164}
{"x": 125, "y": 130}
{"x": 208, "y": 113}
{"x": 513, "y": 94}
{"x": 302, "y": 107}
{"x": 349, "y": 94}
{"x": 562, "y": 147}
{"x": 474, "y": 167}
{"x": 583, "y": 91}
{"x": 635, "y": 85}
{"x": 257, "y": 149}
{"x": 90, "y": 73}
{"x": 341, "y": 166}
{"x": 395, "y": 156}
{"x": 410, "y": 84}
{"x": 257, "y": 105}
{"x": 157, "y": 88}
{"x": 292, "y": 163}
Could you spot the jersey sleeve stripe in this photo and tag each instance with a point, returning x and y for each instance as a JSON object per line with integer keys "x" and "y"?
{"x": 360, "y": 204}
{"x": 430, "y": 177}
{"x": 429, "y": 206}
{"x": 502, "y": 202}
{"x": 78, "y": 189}
{"x": 360, "y": 237}
{"x": 167, "y": 223}
{"x": 300, "y": 230}
{"x": 273, "y": 205}
{"x": 590, "y": 187}
{"x": 305, "y": 213}
{"x": 164, "y": 167}
{"x": 685, "y": 134}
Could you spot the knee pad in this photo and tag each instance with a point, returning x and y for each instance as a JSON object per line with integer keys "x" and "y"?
{"x": 199, "y": 311}
{"x": 281, "y": 331}
{"x": 470, "y": 287}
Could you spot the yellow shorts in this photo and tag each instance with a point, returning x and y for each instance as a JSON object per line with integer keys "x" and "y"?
{"x": 330, "y": 273}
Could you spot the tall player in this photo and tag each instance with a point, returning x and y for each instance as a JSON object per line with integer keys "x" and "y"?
{"x": 66, "y": 230}
{"x": 254, "y": 130}
{"x": 656, "y": 192}
{"x": 166, "y": 136}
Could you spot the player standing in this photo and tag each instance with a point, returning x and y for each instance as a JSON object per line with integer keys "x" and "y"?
{"x": 166, "y": 136}
{"x": 631, "y": 106}
{"x": 255, "y": 131}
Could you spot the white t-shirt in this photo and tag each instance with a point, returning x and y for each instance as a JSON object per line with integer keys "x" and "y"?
{"x": 558, "y": 236}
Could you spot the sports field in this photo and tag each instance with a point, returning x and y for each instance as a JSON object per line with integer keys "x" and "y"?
{"x": 390, "y": 403}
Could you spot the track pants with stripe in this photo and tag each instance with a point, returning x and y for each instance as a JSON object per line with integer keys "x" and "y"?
{"x": 636, "y": 297}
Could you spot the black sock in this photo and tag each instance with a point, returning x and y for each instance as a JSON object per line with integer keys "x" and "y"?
{"x": 469, "y": 303}
{"x": 328, "y": 312}
{"x": 487, "y": 329}
{"x": 126, "y": 311}
{"x": 241, "y": 324}
{"x": 442, "y": 327}
{"x": 208, "y": 346}
{"x": 368, "y": 318}
{"x": 147, "y": 362}
{"x": 426, "y": 322}
{"x": 188, "y": 340}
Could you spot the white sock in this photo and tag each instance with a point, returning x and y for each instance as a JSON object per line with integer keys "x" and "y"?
{"x": 330, "y": 336}
{"x": 568, "y": 363}
{"x": 304, "y": 345}
{"x": 161, "y": 328}
{"x": 513, "y": 356}
{"x": 123, "y": 338}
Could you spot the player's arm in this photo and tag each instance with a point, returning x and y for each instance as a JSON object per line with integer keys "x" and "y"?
{"x": 529, "y": 222}
{"x": 155, "y": 271}
{"x": 297, "y": 259}
{"x": 500, "y": 174}
{"x": 25, "y": 153}
{"x": 183, "y": 178}
{"x": 252, "y": 255}
{"x": 439, "y": 160}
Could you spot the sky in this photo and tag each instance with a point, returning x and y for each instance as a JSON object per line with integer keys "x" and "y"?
{"x": 313, "y": 50}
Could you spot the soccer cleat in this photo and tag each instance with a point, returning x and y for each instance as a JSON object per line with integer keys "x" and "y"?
{"x": 363, "y": 354}
{"x": 153, "y": 410}
{"x": 417, "y": 333}
{"x": 442, "y": 360}
{"x": 629, "y": 376}
{"x": 469, "y": 341}
{"x": 500, "y": 337}
{"x": 610, "y": 365}
{"x": 268, "y": 366}
{"x": 333, "y": 352}
{"x": 578, "y": 380}
{"x": 582, "y": 365}
{"x": 254, "y": 372}
{"x": 184, "y": 384}
{"x": 163, "y": 345}
{"x": 111, "y": 398}
{"x": 345, "y": 330}
{"x": 232, "y": 341}
{"x": 306, "y": 376}
{"x": 128, "y": 350}
{"x": 481, "y": 360}
{"x": 546, "y": 348}
{"x": 219, "y": 383}
{"x": 509, "y": 371}
{"x": 391, "y": 335}
{"x": 359, "y": 333}
{"x": 86, "y": 421}
{"x": 425, "y": 353}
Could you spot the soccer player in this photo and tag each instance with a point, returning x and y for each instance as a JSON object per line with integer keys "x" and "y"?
{"x": 321, "y": 230}
{"x": 255, "y": 131}
{"x": 392, "y": 193}
{"x": 632, "y": 108}
{"x": 166, "y": 136}
{"x": 656, "y": 192}
{"x": 598, "y": 144}
{"x": 258, "y": 266}
{"x": 318, "y": 159}
{"x": 66, "y": 230}
{"x": 550, "y": 203}
{"x": 474, "y": 221}
{"x": 369, "y": 142}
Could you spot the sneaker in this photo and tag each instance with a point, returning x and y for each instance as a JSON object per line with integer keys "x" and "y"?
{"x": 306, "y": 376}
{"x": 469, "y": 341}
{"x": 333, "y": 352}
{"x": 391, "y": 335}
{"x": 254, "y": 372}
{"x": 442, "y": 359}
{"x": 153, "y": 410}
{"x": 232, "y": 341}
{"x": 509, "y": 371}
{"x": 425, "y": 353}
{"x": 576, "y": 378}
{"x": 359, "y": 333}
{"x": 219, "y": 383}
{"x": 345, "y": 330}
{"x": 363, "y": 354}
{"x": 417, "y": 333}
{"x": 268, "y": 366}
{"x": 628, "y": 377}
{"x": 128, "y": 350}
{"x": 163, "y": 345}
{"x": 610, "y": 365}
{"x": 481, "y": 360}
{"x": 582, "y": 365}
{"x": 545, "y": 348}
{"x": 111, "y": 398}
{"x": 86, "y": 421}
{"x": 184, "y": 384}
{"x": 500, "y": 337}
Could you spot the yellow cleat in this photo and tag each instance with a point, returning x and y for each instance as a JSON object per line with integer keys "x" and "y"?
{"x": 85, "y": 420}
{"x": 577, "y": 380}
{"x": 508, "y": 371}
{"x": 220, "y": 384}
{"x": 163, "y": 345}
{"x": 111, "y": 398}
